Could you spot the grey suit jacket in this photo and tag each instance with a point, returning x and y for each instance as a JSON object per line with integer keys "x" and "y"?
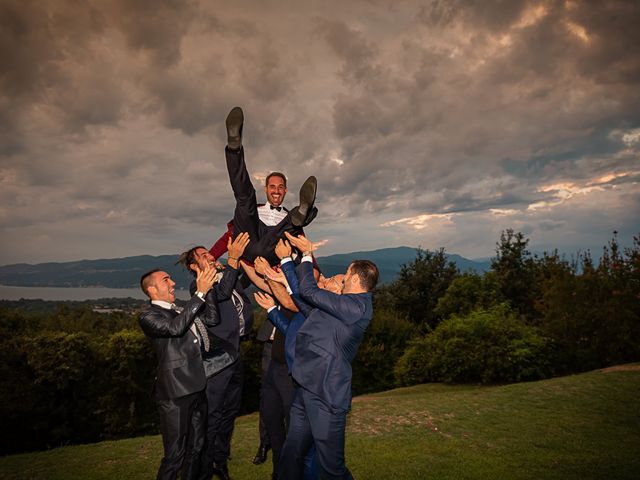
{"x": 180, "y": 371}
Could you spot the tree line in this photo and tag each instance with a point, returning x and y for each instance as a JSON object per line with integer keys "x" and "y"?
{"x": 74, "y": 375}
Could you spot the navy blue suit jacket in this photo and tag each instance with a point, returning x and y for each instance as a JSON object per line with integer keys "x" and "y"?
{"x": 329, "y": 339}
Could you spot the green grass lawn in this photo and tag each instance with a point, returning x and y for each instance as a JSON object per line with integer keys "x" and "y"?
{"x": 578, "y": 427}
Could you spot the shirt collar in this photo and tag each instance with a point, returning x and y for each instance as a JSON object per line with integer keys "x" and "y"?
{"x": 161, "y": 304}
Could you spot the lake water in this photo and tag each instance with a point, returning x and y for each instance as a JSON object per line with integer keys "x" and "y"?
{"x": 72, "y": 293}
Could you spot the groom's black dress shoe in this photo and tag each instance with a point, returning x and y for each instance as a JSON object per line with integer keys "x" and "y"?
{"x": 305, "y": 211}
{"x": 221, "y": 470}
{"x": 234, "y": 123}
{"x": 261, "y": 454}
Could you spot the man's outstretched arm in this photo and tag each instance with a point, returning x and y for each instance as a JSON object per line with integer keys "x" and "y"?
{"x": 346, "y": 308}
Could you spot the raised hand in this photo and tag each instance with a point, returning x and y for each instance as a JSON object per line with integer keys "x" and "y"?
{"x": 283, "y": 249}
{"x": 278, "y": 276}
{"x": 301, "y": 243}
{"x": 205, "y": 278}
{"x": 260, "y": 265}
{"x": 236, "y": 248}
{"x": 264, "y": 300}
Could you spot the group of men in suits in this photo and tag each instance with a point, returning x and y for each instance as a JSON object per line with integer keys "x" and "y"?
{"x": 322, "y": 339}
{"x": 199, "y": 374}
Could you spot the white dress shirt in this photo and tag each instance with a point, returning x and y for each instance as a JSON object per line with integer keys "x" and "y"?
{"x": 271, "y": 216}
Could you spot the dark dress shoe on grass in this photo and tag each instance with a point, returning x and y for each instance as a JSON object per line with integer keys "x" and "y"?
{"x": 234, "y": 123}
{"x": 261, "y": 454}
{"x": 304, "y": 212}
{"x": 221, "y": 471}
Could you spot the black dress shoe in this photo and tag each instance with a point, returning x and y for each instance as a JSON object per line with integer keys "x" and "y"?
{"x": 220, "y": 470}
{"x": 234, "y": 123}
{"x": 304, "y": 212}
{"x": 261, "y": 455}
{"x": 297, "y": 220}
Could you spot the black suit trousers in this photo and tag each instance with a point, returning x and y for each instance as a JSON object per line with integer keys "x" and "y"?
{"x": 224, "y": 396}
{"x": 278, "y": 393}
{"x": 265, "y": 360}
{"x": 183, "y": 425}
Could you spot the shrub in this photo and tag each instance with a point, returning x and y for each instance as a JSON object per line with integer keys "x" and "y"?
{"x": 127, "y": 404}
{"x": 487, "y": 346}
{"x": 382, "y": 345}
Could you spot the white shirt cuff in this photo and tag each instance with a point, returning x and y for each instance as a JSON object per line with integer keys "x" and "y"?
{"x": 307, "y": 258}
{"x": 285, "y": 260}
{"x": 271, "y": 308}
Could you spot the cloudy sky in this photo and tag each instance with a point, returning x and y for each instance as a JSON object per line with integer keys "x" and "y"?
{"x": 428, "y": 123}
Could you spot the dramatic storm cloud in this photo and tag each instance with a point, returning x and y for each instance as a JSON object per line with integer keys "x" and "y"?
{"x": 437, "y": 123}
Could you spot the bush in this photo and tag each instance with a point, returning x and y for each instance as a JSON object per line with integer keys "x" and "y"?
{"x": 126, "y": 403}
{"x": 382, "y": 345}
{"x": 487, "y": 346}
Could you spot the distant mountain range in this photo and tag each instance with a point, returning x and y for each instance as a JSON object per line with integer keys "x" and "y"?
{"x": 125, "y": 272}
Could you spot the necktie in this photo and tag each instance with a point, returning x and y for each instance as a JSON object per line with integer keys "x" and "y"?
{"x": 239, "y": 304}
{"x": 203, "y": 333}
{"x": 275, "y": 208}
{"x": 200, "y": 330}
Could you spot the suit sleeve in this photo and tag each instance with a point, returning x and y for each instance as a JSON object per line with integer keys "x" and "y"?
{"x": 157, "y": 324}
{"x": 225, "y": 287}
{"x": 220, "y": 247}
{"x": 289, "y": 271}
{"x": 211, "y": 315}
{"x": 345, "y": 308}
{"x": 279, "y": 320}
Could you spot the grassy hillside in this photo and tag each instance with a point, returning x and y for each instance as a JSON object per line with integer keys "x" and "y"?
{"x": 578, "y": 427}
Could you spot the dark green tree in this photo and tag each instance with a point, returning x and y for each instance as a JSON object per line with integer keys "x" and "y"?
{"x": 415, "y": 293}
{"x": 466, "y": 293}
{"x": 515, "y": 272}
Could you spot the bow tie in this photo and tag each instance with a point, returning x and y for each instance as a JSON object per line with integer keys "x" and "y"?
{"x": 275, "y": 208}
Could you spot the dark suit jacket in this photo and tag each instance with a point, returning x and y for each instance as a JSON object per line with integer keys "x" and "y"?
{"x": 224, "y": 337}
{"x": 180, "y": 371}
{"x": 329, "y": 339}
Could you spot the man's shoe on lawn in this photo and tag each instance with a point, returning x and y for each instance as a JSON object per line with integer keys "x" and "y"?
{"x": 234, "y": 123}
{"x": 261, "y": 454}
{"x": 221, "y": 471}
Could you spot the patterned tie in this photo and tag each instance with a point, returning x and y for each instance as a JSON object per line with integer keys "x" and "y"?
{"x": 236, "y": 299}
{"x": 203, "y": 333}
{"x": 200, "y": 328}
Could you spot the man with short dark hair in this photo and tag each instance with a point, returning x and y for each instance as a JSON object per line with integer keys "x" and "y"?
{"x": 177, "y": 331}
{"x": 326, "y": 345}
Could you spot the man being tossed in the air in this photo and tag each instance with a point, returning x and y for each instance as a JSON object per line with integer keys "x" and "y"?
{"x": 266, "y": 223}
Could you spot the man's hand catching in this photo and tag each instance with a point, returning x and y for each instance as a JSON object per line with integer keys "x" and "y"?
{"x": 260, "y": 265}
{"x": 264, "y": 300}
{"x": 205, "y": 279}
{"x": 301, "y": 243}
{"x": 283, "y": 249}
{"x": 236, "y": 248}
